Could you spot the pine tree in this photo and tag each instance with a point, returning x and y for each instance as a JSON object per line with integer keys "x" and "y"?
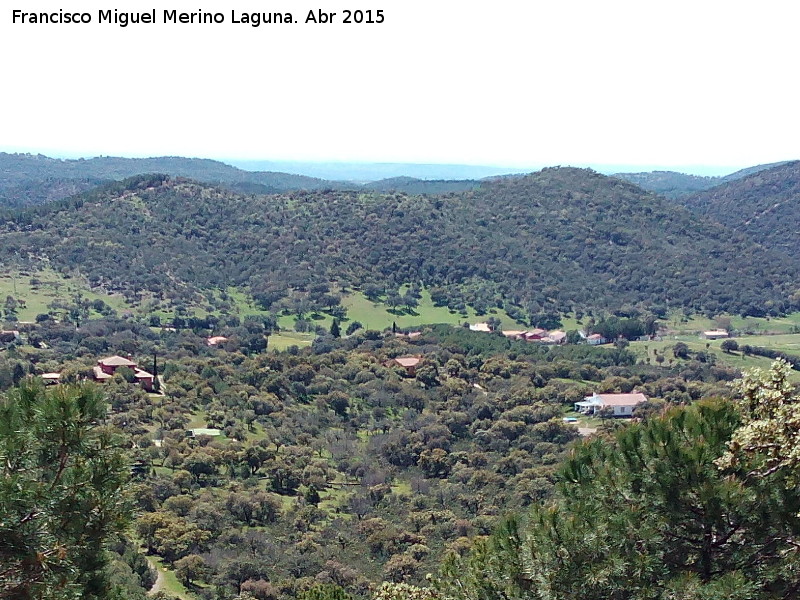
{"x": 62, "y": 475}
{"x": 646, "y": 514}
{"x": 156, "y": 382}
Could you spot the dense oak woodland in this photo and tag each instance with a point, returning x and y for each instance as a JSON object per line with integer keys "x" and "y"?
{"x": 334, "y": 468}
{"x": 554, "y": 242}
{"x": 763, "y": 206}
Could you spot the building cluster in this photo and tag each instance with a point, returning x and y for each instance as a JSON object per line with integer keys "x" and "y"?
{"x": 107, "y": 367}
{"x": 541, "y": 336}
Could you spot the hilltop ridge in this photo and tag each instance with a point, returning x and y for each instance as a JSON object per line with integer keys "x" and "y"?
{"x": 551, "y": 242}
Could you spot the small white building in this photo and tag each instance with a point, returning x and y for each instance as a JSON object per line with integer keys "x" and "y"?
{"x": 596, "y": 339}
{"x": 716, "y": 334}
{"x": 622, "y": 405}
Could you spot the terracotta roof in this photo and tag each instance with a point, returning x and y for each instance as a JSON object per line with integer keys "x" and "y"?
{"x": 217, "y": 339}
{"x": 143, "y": 374}
{"x": 116, "y": 361}
{"x": 622, "y": 399}
{"x": 408, "y": 361}
{"x": 595, "y": 336}
{"x": 513, "y": 333}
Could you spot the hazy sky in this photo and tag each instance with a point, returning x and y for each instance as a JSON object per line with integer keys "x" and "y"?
{"x": 501, "y": 83}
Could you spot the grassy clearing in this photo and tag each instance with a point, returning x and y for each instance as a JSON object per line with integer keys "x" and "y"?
{"x": 679, "y": 325}
{"x": 38, "y": 290}
{"x": 787, "y": 343}
{"x": 333, "y": 498}
{"x": 401, "y": 487}
{"x": 378, "y": 316}
{"x": 284, "y": 339}
{"x": 197, "y": 420}
{"x": 171, "y": 585}
{"x": 243, "y": 303}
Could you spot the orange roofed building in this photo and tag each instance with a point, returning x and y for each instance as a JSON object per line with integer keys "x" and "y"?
{"x": 409, "y": 363}
{"x": 106, "y": 367}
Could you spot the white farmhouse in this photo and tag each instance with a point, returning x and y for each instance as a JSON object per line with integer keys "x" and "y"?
{"x": 622, "y": 405}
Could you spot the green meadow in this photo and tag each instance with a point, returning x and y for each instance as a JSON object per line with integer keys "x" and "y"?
{"x": 37, "y": 291}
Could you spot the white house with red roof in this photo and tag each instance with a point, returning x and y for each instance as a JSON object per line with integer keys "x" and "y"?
{"x": 621, "y": 405}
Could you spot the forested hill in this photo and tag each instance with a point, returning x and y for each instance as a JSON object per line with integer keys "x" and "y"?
{"x": 675, "y": 185}
{"x": 764, "y": 205}
{"x": 557, "y": 240}
{"x": 27, "y": 179}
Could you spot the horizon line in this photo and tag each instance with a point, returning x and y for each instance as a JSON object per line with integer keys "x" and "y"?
{"x": 704, "y": 170}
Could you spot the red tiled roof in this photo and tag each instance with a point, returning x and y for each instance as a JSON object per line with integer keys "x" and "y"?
{"x": 116, "y": 361}
{"x": 408, "y": 361}
{"x": 622, "y": 399}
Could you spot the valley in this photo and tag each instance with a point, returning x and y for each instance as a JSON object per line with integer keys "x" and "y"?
{"x": 324, "y": 391}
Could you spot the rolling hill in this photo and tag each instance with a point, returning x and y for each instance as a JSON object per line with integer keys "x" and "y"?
{"x": 27, "y": 179}
{"x": 764, "y": 205}
{"x": 555, "y": 241}
{"x": 674, "y": 185}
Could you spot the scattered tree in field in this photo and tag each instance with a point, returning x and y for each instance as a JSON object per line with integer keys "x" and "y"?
{"x": 728, "y": 346}
{"x": 352, "y": 327}
{"x": 680, "y": 350}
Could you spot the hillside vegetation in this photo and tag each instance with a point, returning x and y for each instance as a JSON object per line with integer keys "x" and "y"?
{"x": 27, "y": 179}
{"x": 763, "y": 206}
{"x": 554, "y": 242}
{"x": 675, "y": 185}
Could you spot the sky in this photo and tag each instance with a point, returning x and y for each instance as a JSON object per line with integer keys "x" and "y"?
{"x": 702, "y": 85}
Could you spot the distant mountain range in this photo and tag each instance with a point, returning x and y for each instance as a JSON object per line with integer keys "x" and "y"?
{"x": 373, "y": 172}
{"x": 27, "y": 179}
